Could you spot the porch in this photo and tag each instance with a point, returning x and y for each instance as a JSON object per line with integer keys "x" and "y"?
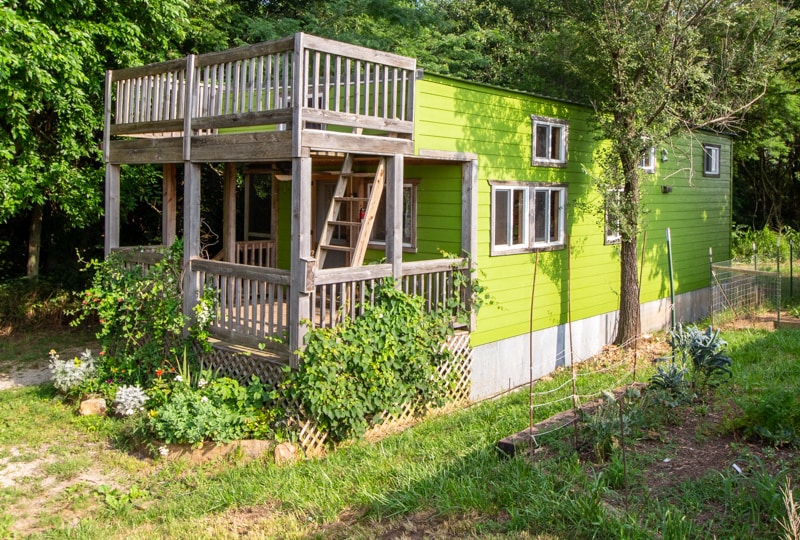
{"x": 328, "y": 127}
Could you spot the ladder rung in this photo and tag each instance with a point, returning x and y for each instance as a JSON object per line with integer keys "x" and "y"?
{"x": 334, "y": 247}
{"x": 351, "y": 199}
{"x": 346, "y": 223}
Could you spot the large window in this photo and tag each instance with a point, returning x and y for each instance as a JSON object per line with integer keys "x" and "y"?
{"x": 711, "y": 159}
{"x": 527, "y": 217}
{"x": 550, "y": 138}
{"x": 378, "y": 236}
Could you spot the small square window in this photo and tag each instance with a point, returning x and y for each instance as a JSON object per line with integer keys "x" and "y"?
{"x": 527, "y": 217}
{"x": 648, "y": 161}
{"x": 613, "y": 224}
{"x": 550, "y": 138}
{"x": 711, "y": 159}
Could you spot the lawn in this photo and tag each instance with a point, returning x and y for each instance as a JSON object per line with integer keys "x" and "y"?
{"x": 65, "y": 476}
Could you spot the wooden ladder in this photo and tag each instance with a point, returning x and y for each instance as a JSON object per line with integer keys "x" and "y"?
{"x": 349, "y": 208}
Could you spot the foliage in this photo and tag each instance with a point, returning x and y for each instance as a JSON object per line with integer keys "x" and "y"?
{"x": 603, "y": 428}
{"x": 213, "y": 409}
{"x": 33, "y": 303}
{"x": 766, "y": 242}
{"x": 377, "y": 362}
{"x": 69, "y": 375}
{"x": 140, "y": 313}
{"x": 129, "y": 400}
{"x": 704, "y": 352}
{"x": 54, "y": 56}
{"x": 655, "y": 70}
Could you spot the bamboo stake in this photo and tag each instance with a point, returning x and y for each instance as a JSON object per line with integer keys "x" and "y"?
{"x": 530, "y": 355}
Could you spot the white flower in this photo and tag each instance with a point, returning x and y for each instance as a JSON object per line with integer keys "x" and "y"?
{"x": 201, "y": 383}
{"x": 178, "y": 378}
{"x": 204, "y": 399}
{"x": 163, "y": 451}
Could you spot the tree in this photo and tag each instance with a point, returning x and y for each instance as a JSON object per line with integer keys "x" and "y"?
{"x": 652, "y": 70}
{"x": 767, "y": 156}
{"x": 53, "y": 56}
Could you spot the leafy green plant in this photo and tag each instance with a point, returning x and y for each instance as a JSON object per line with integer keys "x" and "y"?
{"x": 140, "y": 313}
{"x": 378, "y": 362}
{"x": 602, "y": 430}
{"x": 213, "y": 409}
{"x": 704, "y": 352}
{"x": 70, "y": 374}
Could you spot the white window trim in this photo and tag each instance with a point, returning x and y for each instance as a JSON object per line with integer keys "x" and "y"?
{"x": 561, "y": 160}
{"x": 529, "y": 243}
{"x": 714, "y": 152}
{"x": 648, "y": 161}
{"x": 409, "y": 247}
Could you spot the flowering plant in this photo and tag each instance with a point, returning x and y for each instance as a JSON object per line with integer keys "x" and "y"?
{"x": 68, "y": 375}
{"x": 129, "y": 400}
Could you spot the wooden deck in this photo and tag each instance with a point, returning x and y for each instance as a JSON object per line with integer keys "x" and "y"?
{"x": 261, "y": 102}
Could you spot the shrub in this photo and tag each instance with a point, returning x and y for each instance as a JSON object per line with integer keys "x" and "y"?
{"x": 385, "y": 358}
{"x": 33, "y": 303}
{"x": 700, "y": 354}
{"x": 141, "y": 315}
{"x": 129, "y": 400}
{"x": 69, "y": 375}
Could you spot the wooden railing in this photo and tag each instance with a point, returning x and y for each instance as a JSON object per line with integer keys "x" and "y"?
{"x": 339, "y": 84}
{"x": 341, "y": 293}
{"x": 139, "y": 256}
{"x": 251, "y": 303}
{"x": 256, "y": 253}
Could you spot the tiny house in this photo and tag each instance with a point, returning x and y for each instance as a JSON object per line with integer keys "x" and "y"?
{"x": 354, "y": 166}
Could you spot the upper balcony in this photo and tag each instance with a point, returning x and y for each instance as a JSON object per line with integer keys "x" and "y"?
{"x": 246, "y": 104}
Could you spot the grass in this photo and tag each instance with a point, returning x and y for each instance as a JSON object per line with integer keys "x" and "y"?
{"x": 442, "y": 478}
{"x": 30, "y": 349}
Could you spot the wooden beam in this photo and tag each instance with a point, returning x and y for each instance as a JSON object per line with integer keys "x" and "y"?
{"x": 394, "y": 215}
{"x": 299, "y": 301}
{"x": 169, "y": 212}
{"x": 111, "y": 240}
{"x": 229, "y": 213}
{"x": 146, "y": 151}
{"x": 331, "y": 141}
{"x": 469, "y": 220}
{"x": 188, "y": 108}
{"x": 191, "y": 235}
{"x": 243, "y": 147}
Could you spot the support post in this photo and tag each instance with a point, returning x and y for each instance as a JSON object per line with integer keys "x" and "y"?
{"x": 394, "y": 215}
{"x": 169, "y": 212}
{"x": 469, "y": 223}
{"x": 299, "y": 295}
{"x": 229, "y": 213}
{"x": 111, "y": 240}
{"x": 191, "y": 235}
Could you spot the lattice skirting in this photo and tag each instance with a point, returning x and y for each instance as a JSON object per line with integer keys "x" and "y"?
{"x": 312, "y": 439}
{"x": 240, "y": 364}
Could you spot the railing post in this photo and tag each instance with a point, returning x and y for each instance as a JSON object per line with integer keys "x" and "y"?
{"x": 394, "y": 216}
{"x": 469, "y": 227}
{"x": 299, "y": 298}
{"x": 112, "y": 208}
{"x": 191, "y": 235}
{"x": 297, "y": 95}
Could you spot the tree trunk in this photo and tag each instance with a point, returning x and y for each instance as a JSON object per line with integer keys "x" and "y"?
{"x": 34, "y": 241}
{"x": 630, "y": 324}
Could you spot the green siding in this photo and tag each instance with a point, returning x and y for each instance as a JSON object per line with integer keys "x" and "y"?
{"x": 495, "y": 124}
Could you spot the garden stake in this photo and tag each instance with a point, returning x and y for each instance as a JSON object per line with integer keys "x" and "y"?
{"x": 624, "y": 454}
{"x": 778, "y": 264}
{"x": 791, "y": 270}
{"x": 530, "y": 356}
{"x": 571, "y": 350}
{"x": 671, "y": 289}
{"x": 711, "y": 270}
{"x": 641, "y": 271}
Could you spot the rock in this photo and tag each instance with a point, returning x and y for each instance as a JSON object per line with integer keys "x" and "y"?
{"x": 285, "y": 453}
{"x": 93, "y": 407}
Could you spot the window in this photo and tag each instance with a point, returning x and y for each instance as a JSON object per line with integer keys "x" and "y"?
{"x": 711, "y": 159}
{"x": 648, "y": 162}
{"x": 612, "y": 218}
{"x": 378, "y": 236}
{"x": 549, "y": 141}
{"x": 527, "y": 217}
